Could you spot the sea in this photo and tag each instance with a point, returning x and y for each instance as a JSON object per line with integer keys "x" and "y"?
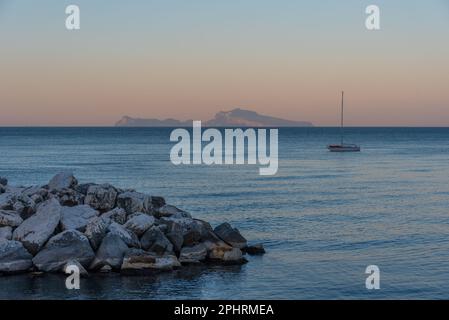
{"x": 323, "y": 218}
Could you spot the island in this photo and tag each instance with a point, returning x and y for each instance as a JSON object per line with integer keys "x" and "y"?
{"x": 234, "y": 118}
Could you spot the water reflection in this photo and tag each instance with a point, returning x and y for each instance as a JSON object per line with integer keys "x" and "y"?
{"x": 187, "y": 282}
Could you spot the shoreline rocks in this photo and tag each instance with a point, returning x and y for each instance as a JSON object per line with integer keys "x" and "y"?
{"x": 111, "y": 253}
{"x": 230, "y": 235}
{"x": 63, "y": 180}
{"x": 3, "y": 181}
{"x": 5, "y": 233}
{"x": 101, "y": 228}
{"x": 77, "y": 217}
{"x": 14, "y": 257}
{"x": 36, "y": 230}
{"x": 62, "y": 248}
{"x": 9, "y": 218}
{"x": 256, "y": 249}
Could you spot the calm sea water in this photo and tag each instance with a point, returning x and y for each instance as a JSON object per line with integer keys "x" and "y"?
{"x": 323, "y": 218}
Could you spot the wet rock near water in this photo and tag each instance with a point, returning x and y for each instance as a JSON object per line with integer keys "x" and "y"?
{"x": 101, "y": 228}
{"x": 230, "y": 235}
{"x": 62, "y": 248}
{"x": 71, "y": 265}
{"x": 110, "y": 252}
{"x": 195, "y": 254}
{"x": 256, "y": 249}
{"x": 3, "y": 181}
{"x": 14, "y": 257}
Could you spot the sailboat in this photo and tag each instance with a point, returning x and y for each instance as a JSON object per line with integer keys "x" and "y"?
{"x": 343, "y": 147}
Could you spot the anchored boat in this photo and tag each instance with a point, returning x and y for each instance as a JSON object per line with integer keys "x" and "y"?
{"x": 343, "y": 147}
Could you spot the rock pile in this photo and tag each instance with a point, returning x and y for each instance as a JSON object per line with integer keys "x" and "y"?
{"x": 99, "y": 227}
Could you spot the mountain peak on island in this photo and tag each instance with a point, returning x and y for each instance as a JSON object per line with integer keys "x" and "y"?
{"x": 246, "y": 118}
{"x": 235, "y": 118}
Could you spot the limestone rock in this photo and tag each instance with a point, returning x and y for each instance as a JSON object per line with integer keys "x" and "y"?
{"x": 10, "y": 218}
{"x": 139, "y": 223}
{"x": 137, "y": 259}
{"x": 63, "y": 180}
{"x": 111, "y": 252}
{"x": 67, "y": 269}
{"x": 175, "y": 235}
{"x": 96, "y": 230}
{"x": 3, "y": 181}
{"x": 67, "y": 197}
{"x": 24, "y": 206}
{"x": 140, "y": 261}
{"x": 256, "y": 249}
{"x": 37, "y": 229}
{"x": 169, "y": 211}
{"x": 127, "y": 236}
{"x": 117, "y": 215}
{"x": 194, "y": 231}
{"x": 5, "y": 233}
{"x": 14, "y": 257}
{"x": 155, "y": 241}
{"x": 220, "y": 252}
{"x": 101, "y": 197}
{"x": 230, "y": 235}
{"x": 166, "y": 263}
{"x": 134, "y": 202}
{"x": 77, "y": 217}
{"x": 83, "y": 187}
{"x": 36, "y": 192}
{"x": 194, "y": 254}
{"x": 157, "y": 202}
{"x": 62, "y": 248}
{"x": 106, "y": 269}
{"x": 7, "y": 200}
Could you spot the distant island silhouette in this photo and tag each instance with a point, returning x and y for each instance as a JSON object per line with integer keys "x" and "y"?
{"x": 234, "y": 118}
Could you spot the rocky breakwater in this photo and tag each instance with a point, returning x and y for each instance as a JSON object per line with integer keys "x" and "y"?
{"x": 99, "y": 227}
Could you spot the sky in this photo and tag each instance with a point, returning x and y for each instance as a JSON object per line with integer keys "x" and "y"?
{"x": 188, "y": 59}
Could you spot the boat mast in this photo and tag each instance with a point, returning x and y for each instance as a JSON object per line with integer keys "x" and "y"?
{"x": 341, "y": 123}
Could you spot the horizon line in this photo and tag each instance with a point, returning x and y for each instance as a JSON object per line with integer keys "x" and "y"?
{"x": 231, "y": 127}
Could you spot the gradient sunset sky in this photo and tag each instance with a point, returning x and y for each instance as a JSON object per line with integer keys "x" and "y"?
{"x": 188, "y": 59}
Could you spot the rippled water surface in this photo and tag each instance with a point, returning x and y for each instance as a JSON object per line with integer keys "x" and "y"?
{"x": 323, "y": 218}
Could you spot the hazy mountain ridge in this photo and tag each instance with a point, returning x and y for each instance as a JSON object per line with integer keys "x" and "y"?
{"x": 234, "y": 118}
